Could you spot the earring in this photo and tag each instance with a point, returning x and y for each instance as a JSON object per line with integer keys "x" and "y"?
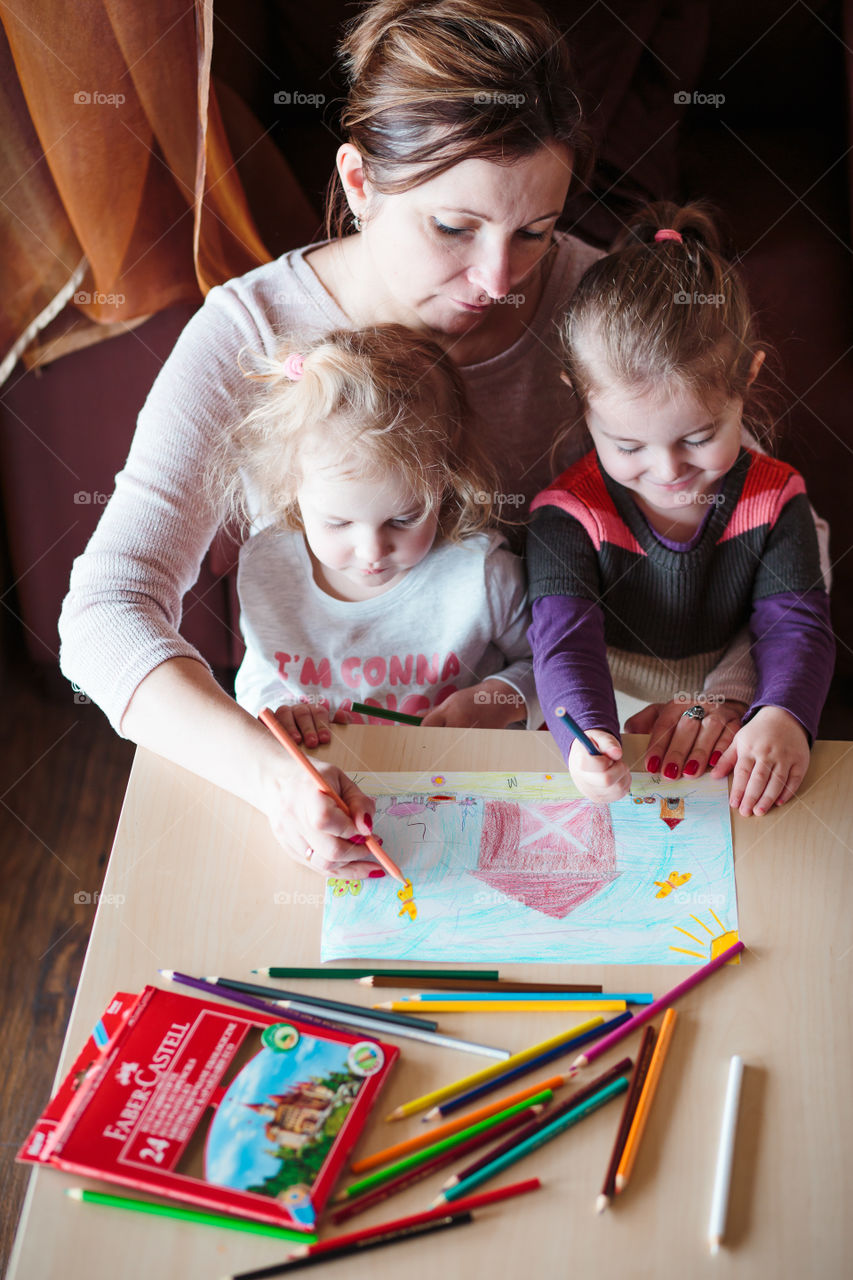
{"x": 356, "y": 221}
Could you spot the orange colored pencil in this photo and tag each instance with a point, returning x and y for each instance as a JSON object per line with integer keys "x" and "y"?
{"x": 644, "y": 1106}
{"x": 453, "y": 1126}
{"x": 632, "y": 1097}
{"x": 287, "y": 742}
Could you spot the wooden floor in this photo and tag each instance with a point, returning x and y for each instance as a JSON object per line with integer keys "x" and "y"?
{"x": 63, "y": 774}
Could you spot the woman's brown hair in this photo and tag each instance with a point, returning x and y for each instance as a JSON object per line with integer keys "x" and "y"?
{"x": 436, "y": 82}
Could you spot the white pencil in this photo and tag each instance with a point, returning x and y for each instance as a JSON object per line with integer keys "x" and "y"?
{"x": 723, "y": 1174}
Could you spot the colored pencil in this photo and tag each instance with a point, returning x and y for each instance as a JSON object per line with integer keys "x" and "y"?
{"x": 576, "y": 731}
{"x": 420, "y": 1140}
{"x": 725, "y": 1154}
{"x": 295, "y": 971}
{"x": 402, "y": 1181}
{"x": 497, "y": 985}
{"x": 341, "y": 1006}
{"x": 644, "y": 1105}
{"x": 599, "y": 1028}
{"x": 519, "y": 1006}
{"x": 656, "y": 1006}
{"x": 613, "y": 1073}
{"x": 300, "y": 1261}
{"x": 586, "y": 999}
{"x": 488, "y": 1073}
{"x": 532, "y": 1144}
{"x": 183, "y": 1214}
{"x": 371, "y": 1180}
{"x": 480, "y": 1201}
{"x": 370, "y": 842}
{"x": 635, "y": 1085}
{"x": 336, "y": 1022}
{"x": 399, "y": 717}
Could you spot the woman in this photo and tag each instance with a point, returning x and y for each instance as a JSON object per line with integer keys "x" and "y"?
{"x": 463, "y": 131}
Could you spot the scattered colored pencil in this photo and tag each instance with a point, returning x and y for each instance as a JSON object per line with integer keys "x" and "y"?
{"x": 518, "y": 1006}
{"x": 400, "y": 1182}
{"x": 429, "y": 1136}
{"x": 585, "y": 999}
{"x": 300, "y": 1261}
{"x": 725, "y": 1154}
{"x": 480, "y": 1201}
{"x": 597, "y": 1027}
{"x": 554, "y": 1113}
{"x": 417, "y": 975}
{"x": 576, "y": 731}
{"x": 651, "y": 1011}
{"x": 539, "y": 1139}
{"x": 338, "y": 1021}
{"x": 380, "y": 713}
{"x": 370, "y": 842}
{"x": 339, "y": 1006}
{"x": 487, "y": 1073}
{"x": 632, "y": 1097}
{"x": 644, "y": 1105}
{"x": 440, "y": 982}
{"x": 371, "y": 1180}
{"x": 183, "y": 1214}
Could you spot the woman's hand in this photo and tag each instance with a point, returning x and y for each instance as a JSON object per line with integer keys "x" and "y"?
{"x": 604, "y": 778}
{"x": 770, "y": 756}
{"x": 492, "y": 704}
{"x": 311, "y": 827}
{"x": 678, "y": 744}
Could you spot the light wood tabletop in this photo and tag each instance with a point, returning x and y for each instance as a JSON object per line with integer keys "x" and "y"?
{"x": 196, "y": 882}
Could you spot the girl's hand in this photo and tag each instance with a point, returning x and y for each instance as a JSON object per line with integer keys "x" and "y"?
{"x": 305, "y": 722}
{"x": 603, "y": 778}
{"x": 680, "y": 745}
{"x": 770, "y": 756}
{"x": 493, "y": 704}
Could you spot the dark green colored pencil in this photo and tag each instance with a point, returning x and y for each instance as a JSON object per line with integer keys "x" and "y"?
{"x": 399, "y": 716}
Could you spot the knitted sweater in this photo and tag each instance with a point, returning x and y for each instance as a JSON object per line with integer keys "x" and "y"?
{"x": 606, "y": 588}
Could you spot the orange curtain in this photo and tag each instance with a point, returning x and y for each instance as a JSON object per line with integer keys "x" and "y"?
{"x": 121, "y": 194}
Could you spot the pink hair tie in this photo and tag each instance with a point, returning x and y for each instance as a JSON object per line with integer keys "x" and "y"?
{"x": 293, "y": 367}
{"x": 667, "y": 233}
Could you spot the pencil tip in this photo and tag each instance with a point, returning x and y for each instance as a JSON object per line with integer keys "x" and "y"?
{"x": 166, "y": 973}
{"x": 264, "y": 972}
{"x": 215, "y": 978}
{"x": 365, "y": 982}
{"x": 385, "y": 1004}
{"x": 621, "y": 1182}
{"x": 74, "y": 1193}
{"x": 602, "y": 1203}
{"x": 714, "y": 1244}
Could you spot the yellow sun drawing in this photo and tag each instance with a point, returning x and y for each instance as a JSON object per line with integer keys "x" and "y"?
{"x": 719, "y": 942}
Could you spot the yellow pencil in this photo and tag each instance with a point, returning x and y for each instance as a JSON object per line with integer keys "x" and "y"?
{"x": 489, "y": 1073}
{"x": 641, "y": 1115}
{"x": 504, "y": 1006}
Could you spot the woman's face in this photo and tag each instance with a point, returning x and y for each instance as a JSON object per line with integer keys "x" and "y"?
{"x": 443, "y": 254}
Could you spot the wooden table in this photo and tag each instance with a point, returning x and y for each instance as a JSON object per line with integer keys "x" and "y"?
{"x": 192, "y": 885}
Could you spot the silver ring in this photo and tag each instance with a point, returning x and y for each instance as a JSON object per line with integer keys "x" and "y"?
{"x": 694, "y": 713}
{"x": 309, "y": 854}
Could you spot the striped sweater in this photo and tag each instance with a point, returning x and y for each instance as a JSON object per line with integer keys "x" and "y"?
{"x": 606, "y": 589}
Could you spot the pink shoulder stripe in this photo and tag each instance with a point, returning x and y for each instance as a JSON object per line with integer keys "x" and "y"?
{"x": 582, "y": 494}
{"x": 768, "y": 487}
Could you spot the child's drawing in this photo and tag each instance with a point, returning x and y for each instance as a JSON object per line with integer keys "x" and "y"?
{"x": 521, "y": 867}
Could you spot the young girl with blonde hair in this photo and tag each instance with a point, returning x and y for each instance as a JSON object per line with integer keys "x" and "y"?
{"x": 371, "y": 575}
{"x": 647, "y": 555}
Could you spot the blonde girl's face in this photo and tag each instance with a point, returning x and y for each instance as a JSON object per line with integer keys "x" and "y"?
{"x": 363, "y": 536}
{"x": 667, "y": 446}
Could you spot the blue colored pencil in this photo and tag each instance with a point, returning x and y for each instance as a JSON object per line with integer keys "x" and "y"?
{"x": 532, "y": 1144}
{"x": 630, "y": 997}
{"x": 576, "y": 730}
{"x": 498, "y": 1082}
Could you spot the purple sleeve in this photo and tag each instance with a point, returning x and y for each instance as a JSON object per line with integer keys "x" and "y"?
{"x": 794, "y": 651}
{"x": 570, "y": 665}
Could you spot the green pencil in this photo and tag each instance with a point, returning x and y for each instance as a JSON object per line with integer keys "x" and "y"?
{"x": 277, "y": 971}
{"x": 189, "y": 1215}
{"x": 381, "y": 714}
{"x": 445, "y": 1144}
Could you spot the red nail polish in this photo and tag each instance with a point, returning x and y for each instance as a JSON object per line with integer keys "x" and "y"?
{"x": 376, "y": 875}
{"x": 671, "y": 771}
{"x": 715, "y": 755}
{"x": 654, "y": 764}
{"x": 358, "y": 839}
{"x": 691, "y": 767}
{"x": 368, "y": 822}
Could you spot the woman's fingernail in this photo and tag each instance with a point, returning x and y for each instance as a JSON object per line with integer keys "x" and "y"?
{"x": 368, "y": 822}
{"x": 375, "y": 875}
{"x": 358, "y": 839}
{"x": 691, "y": 766}
{"x": 715, "y": 755}
{"x": 654, "y": 764}
{"x": 671, "y": 770}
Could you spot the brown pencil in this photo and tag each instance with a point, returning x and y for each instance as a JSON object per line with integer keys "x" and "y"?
{"x": 289, "y": 745}
{"x": 462, "y": 984}
{"x": 632, "y": 1097}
